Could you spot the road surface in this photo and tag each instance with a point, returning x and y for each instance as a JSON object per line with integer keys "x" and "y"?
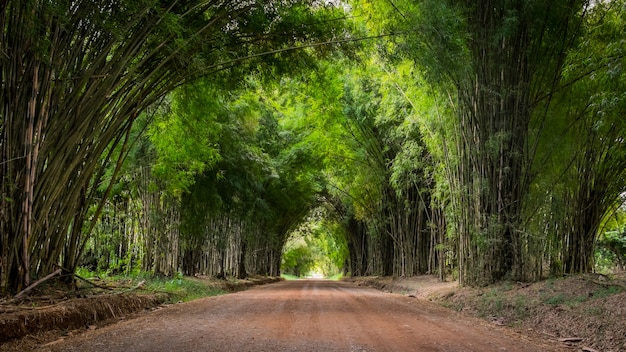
{"x": 303, "y": 315}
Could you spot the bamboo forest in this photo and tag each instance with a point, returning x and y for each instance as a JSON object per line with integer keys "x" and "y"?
{"x": 476, "y": 140}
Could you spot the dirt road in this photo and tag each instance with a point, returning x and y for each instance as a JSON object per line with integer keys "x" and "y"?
{"x": 301, "y": 316}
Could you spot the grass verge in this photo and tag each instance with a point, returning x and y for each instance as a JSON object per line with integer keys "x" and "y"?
{"x": 178, "y": 288}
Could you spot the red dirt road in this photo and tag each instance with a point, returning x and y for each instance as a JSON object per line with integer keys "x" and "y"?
{"x": 302, "y": 315}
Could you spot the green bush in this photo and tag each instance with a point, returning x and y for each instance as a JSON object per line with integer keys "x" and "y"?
{"x": 297, "y": 261}
{"x": 611, "y": 251}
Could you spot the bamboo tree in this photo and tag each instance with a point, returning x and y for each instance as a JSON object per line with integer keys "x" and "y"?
{"x": 360, "y": 122}
{"x": 75, "y": 76}
{"x": 500, "y": 62}
{"x": 589, "y": 162}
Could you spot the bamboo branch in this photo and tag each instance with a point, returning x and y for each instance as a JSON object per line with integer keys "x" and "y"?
{"x": 35, "y": 284}
{"x": 92, "y": 283}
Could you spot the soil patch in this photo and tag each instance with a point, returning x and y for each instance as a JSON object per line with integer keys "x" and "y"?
{"x": 19, "y": 321}
{"x": 583, "y": 312}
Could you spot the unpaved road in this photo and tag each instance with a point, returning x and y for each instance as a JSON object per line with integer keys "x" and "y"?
{"x": 302, "y": 315}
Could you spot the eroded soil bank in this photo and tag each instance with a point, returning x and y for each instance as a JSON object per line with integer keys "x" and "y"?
{"x": 582, "y": 312}
{"x": 51, "y": 313}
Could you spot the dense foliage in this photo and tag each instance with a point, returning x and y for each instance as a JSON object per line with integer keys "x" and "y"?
{"x": 478, "y": 140}
{"x": 531, "y": 167}
{"x": 77, "y": 74}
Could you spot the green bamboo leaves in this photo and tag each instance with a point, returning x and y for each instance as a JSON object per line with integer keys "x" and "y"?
{"x": 75, "y": 77}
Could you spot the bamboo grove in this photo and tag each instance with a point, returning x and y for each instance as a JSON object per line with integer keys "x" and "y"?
{"x": 75, "y": 76}
{"x": 478, "y": 140}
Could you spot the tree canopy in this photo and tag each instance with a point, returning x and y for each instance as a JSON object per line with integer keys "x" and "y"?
{"x": 482, "y": 141}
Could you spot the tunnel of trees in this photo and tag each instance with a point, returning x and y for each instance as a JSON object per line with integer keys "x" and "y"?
{"x": 482, "y": 140}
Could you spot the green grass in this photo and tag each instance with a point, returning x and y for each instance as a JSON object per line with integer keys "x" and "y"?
{"x": 521, "y": 308}
{"x": 182, "y": 288}
{"x": 491, "y": 302}
{"x": 289, "y": 277}
{"x": 556, "y": 299}
{"x": 607, "y": 291}
{"x": 178, "y": 288}
{"x": 574, "y": 301}
{"x": 85, "y": 273}
{"x": 335, "y": 277}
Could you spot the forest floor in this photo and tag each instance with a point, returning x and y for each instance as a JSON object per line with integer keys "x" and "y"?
{"x": 52, "y": 312}
{"x": 581, "y": 312}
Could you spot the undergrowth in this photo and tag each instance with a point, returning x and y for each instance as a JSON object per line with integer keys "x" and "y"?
{"x": 289, "y": 277}
{"x": 336, "y": 277}
{"x": 502, "y": 300}
{"x": 178, "y": 288}
{"x": 182, "y": 288}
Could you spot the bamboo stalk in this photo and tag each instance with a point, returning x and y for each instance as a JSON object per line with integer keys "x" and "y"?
{"x": 25, "y": 291}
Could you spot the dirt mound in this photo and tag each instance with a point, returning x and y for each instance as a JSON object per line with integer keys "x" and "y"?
{"x": 426, "y": 286}
{"x": 582, "y": 311}
{"x": 586, "y": 312}
{"x": 80, "y": 312}
{"x": 240, "y": 285}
